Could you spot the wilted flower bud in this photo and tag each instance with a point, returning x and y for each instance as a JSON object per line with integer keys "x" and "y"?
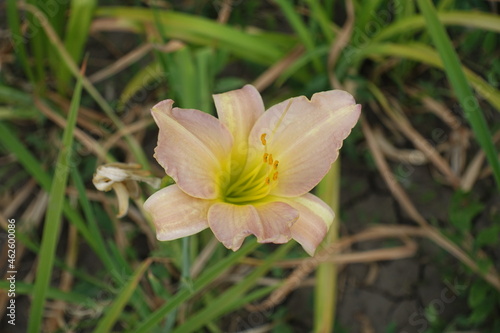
{"x": 123, "y": 178}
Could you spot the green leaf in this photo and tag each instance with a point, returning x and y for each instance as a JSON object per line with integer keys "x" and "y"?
{"x": 282, "y": 328}
{"x": 77, "y": 31}
{"x": 423, "y": 53}
{"x": 462, "y": 210}
{"x": 17, "y": 38}
{"x": 488, "y": 236}
{"x": 53, "y": 217}
{"x": 35, "y": 169}
{"x": 18, "y": 113}
{"x": 484, "y": 264}
{"x": 431, "y": 314}
{"x": 66, "y": 58}
{"x": 477, "y": 294}
{"x": 13, "y": 96}
{"x": 289, "y": 11}
{"x": 38, "y": 45}
{"x": 74, "y": 297}
{"x": 116, "y": 308}
{"x": 153, "y": 72}
{"x": 226, "y": 302}
{"x": 185, "y": 294}
{"x": 482, "y": 310}
{"x": 320, "y": 15}
{"x": 201, "y": 31}
{"x": 461, "y": 85}
{"x": 479, "y": 20}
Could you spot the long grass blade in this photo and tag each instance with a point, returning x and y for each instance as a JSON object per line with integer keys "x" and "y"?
{"x": 477, "y": 20}
{"x": 184, "y": 295}
{"x": 38, "y": 47}
{"x": 300, "y": 28}
{"x": 34, "y": 168}
{"x": 325, "y": 297}
{"x": 115, "y": 310}
{"x": 53, "y": 217}
{"x": 135, "y": 148}
{"x": 17, "y": 38}
{"x": 23, "y": 288}
{"x": 423, "y": 53}
{"x": 320, "y": 15}
{"x": 77, "y": 31}
{"x": 225, "y": 302}
{"x": 202, "y": 31}
{"x": 460, "y": 85}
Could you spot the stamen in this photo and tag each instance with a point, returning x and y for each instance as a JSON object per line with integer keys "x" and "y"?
{"x": 257, "y": 179}
{"x": 263, "y": 138}
{"x": 247, "y": 179}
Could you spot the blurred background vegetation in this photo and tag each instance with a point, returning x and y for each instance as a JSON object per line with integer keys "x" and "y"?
{"x": 415, "y": 246}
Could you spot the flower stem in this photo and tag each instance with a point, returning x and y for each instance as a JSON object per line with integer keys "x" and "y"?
{"x": 326, "y": 275}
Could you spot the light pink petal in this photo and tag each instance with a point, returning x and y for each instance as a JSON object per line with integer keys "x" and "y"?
{"x": 315, "y": 218}
{"x": 276, "y": 219}
{"x": 305, "y": 136}
{"x": 231, "y": 223}
{"x": 269, "y": 222}
{"x": 176, "y": 214}
{"x": 194, "y": 148}
{"x": 238, "y": 110}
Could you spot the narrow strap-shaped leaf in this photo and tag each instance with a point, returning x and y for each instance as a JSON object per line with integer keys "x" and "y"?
{"x": 460, "y": 85}
{"x": 114, "y": 311}
{"x": 53, "y": 217}
{"x": 17, "y": 38}
{"x": 185, "y": 294}
{"x": 226, "y": 302}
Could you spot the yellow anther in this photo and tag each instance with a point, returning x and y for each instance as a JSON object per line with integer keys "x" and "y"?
{"x": 275, "y": 176}
{"x": 263, "y": 138}
{"x": 268, "y": 181}
{"x": 264, "y": 158}
{"x": 270, "y": 161}
{"x": 276, "y": 164}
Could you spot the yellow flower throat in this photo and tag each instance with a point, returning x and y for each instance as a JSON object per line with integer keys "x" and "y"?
{"x": 257, "y": 183}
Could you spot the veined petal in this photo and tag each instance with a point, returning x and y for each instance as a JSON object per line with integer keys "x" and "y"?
{"x": 176, "y": 214}
{"x": 315, "y": 218}
{"x": 231, "y": 223}
{"x": 238, "y": 110}
{"x": 276, "y": 219}
{"x": 270, "y": 222}
{"x": 194, "y": 148}
{"x": 305, "y": 136}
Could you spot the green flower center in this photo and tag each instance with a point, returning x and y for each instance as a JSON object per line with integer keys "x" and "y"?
{"x": 259, "y": 177}
{"x": 256, "y": 182}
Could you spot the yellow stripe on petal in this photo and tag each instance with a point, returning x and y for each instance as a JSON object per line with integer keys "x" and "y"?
{"x": 315, "y": 218}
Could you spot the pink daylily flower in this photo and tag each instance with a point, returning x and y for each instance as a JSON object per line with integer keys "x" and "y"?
{"x": 249, "y": 171}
